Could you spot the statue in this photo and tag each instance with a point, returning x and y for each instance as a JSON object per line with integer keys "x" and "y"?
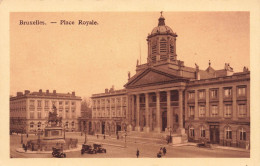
{"x": 53, "y": 118}
{"x": 129, "y": 75}
{"x": 197, "y": 67}
{"x": 137, "y": 62}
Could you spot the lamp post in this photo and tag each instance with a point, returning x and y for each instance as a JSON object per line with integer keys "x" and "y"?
{"x": 85, "y": 130}
{"x": 125, "y": 135}
{"x": 170, "y": 130}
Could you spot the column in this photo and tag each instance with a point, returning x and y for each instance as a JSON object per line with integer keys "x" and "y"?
{"x": 158, "y": 126}
{"x": 234, "y": 98}
{"x": 196, "y": 113}
{"x": 133, "y": 109}
{"x": 186, "y": 105}
{"x": 248, "y": 100}
{"x": 110, "y": 114}
{"x": 129, "y": 113}
{"x": 207, "y": 102}
{"x": 147, "y": 120}
{"x": 169, "y": 115}
{"x": 181, "y": 129}
{"x": 221, "y": 112}
{"x": 137, "y": 128}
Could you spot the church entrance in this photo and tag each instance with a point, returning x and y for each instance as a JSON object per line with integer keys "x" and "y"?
{"x": 164, "y": 120}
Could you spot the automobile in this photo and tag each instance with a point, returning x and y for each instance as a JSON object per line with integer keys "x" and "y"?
{"x": 58, "y": 152}
{"x": 88, "y": 149}
{"x": 159, "y": 154}
{"x": 99, "y": 148}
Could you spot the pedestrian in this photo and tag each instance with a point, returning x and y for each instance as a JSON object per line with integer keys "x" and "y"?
{"x": 27, "y": 135}
{"x": 164, "y": 150}
{"x": 137, "y": 153}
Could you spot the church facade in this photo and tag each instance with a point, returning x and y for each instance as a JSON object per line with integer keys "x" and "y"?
{"x": 165, "y": 96}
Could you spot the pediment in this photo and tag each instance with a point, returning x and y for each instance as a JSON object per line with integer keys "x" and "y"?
{"x": 151, "y": 77}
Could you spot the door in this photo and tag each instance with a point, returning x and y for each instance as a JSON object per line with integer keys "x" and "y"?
{"x": 214, "y": 134}
{"x": 103, "y": 127}
{"x": 164, "y": 120}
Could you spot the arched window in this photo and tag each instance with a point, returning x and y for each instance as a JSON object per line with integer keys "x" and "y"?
{"x": 154, "y": 47}
{"x": 171, "y": 47}
{"x": 191, "y": 131}
{"x": 242, "y": 134}
{"x": 163, "y": 45}
{"x": 72, "y": 124}
{"x": 67, "y": 124}
{"x": 202, "y": 131}
{"x": 39, "y": 124}
{"x": 31, "y": 125}
{"x": 228, "y": 133}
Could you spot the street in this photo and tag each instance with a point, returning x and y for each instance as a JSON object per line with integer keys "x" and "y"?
{"x": 116, "y": 149}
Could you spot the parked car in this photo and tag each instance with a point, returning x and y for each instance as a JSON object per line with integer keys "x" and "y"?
{"x": 203, "y": 143}
{"x": 88, "y": 149}
{"x": 99, "y": 148}
{"x": 57, "y": 152}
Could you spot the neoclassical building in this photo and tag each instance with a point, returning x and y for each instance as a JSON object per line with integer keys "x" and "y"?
{"x": 29, "y": 111}
{"x": 165, "y": 96}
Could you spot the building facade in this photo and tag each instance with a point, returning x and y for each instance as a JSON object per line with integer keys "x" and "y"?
{"x": 109, "y": 111}
{"x": 165, "y": 96}
{"x": 29, "y": 111}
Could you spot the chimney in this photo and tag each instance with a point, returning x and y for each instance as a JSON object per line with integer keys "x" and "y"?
{"x": 40, "y": 91}
{"x": 19, "y": 93}
{"x": 73, "y": 93}
{"x": 54, "y": 92}
{"x": 47, "y": 91}
{"x": 106, "y": 90}
{"x": 26, "y": 92}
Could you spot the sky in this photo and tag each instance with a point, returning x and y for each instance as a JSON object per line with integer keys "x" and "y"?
{"x": 89, "y": 59}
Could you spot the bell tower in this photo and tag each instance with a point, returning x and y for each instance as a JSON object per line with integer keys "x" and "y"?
{"x": 161, "y": 43}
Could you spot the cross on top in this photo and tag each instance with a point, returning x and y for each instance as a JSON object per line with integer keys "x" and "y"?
{"x": 161, "y": 12}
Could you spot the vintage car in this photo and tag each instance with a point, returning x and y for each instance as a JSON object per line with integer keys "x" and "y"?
{"x": 58, "y": 152}
{"x": 99, "y": 148}
{"x": 87, "y": 149}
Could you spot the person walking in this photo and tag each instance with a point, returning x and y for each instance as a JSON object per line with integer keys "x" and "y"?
{"x": 137, "y": 153}
{"x": 164, "y": 150}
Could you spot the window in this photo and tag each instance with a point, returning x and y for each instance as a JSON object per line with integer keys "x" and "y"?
{"x": 39, "y": 114}
{"x": 39, "y": 124}
{"x": 31, "y": 125}
{"x": 214, "y": 110}
{"x": 242, "y": 134}
{"x": 39, "y": 103}
{"x": 60, "y": 102}
{"x": 31, "y": 114}
{"x": 202, "y": 111}
{"x": 202, "y": 131}
{"x": 163, "y": 45}
{"x": 67, "y": 124}
{"x": 46, "y": 103}
{"x": 191, "y": 95}
{"x": 227, "y": 92}
{"x": 202, "y": 94}
{"x": 227, "y": 110}
{"x": 241, "y": 91}
{"x": 66, "y": 103}
{"x": 73, "y": 110}
{"x": 67, "y": 110}
{"x": 72, "y": 124}
{"x": 31, "y": 103}
{"x": 242, "y": 110}
{"x": 191, "y": 111}
{"x": 214, "y": 93}
{"x": 54, "y": 103}
{"x": 154, "y": 46}
{"x": 60, "y": 109}
{"x": 191, "y": 132}
{"x": 171, "y": 48}
{"x": 228, "y": 133}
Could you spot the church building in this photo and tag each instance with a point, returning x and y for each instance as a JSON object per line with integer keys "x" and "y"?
{"x": 166, "y": 97}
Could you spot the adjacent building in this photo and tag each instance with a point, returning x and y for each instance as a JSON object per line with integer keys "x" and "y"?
{"x": 165, "y": 96}
{"x": 29, "y": 111}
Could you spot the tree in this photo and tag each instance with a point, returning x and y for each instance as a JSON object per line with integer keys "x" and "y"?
{"x": 86, "y": 107}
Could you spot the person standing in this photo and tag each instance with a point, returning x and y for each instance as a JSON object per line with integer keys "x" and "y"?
{"x": 137, "y": 153}
{"x": 164, "y": 150}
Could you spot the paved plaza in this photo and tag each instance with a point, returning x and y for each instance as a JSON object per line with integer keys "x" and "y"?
{"x": 116, "y": 149}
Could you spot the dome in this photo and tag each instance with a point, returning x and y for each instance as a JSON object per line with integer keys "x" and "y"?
{"x": 162, "y": 29}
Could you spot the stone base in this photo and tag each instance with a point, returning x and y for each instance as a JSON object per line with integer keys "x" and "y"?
{"x": 176, "y": 140}
{"x": 137, "y": 128}
{"x": 129, "y": 128}
{"x": 147, "y": 129}
{"x": 157, "y": 129}
{"x": 181, "y": 131}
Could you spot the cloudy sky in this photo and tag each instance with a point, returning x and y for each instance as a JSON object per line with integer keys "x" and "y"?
{"x": 88, "y": 59}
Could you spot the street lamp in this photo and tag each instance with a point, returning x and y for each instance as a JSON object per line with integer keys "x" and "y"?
{"x": 85, "y": 130}
{"x": 21, "y": 135}
{"x": 125, "y": 135}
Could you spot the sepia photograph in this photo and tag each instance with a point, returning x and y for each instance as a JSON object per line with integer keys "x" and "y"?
{"x": 129, "y": 85}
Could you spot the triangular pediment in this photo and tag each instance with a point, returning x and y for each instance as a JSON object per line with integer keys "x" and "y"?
{"x": 151, "y": 77}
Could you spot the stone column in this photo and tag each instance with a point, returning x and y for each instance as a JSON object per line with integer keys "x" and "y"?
{"x": 207, "y": 102}
{"x": 129, "y": 112}
{"x": 221, "y": 108}
{"x": 147, "y": 120}
{"x": 110, "y": 114}
{"x": 181, "y": 129}
{"x": 133, "y": 109}
{"x": 158, "y": 127}
{"x": 169, "y": 112}
{"x": 234, "y": 98}
{"x": 137, "y": 127}
{"x": 248, "y": 100}
{"x": 196, "y": 109}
